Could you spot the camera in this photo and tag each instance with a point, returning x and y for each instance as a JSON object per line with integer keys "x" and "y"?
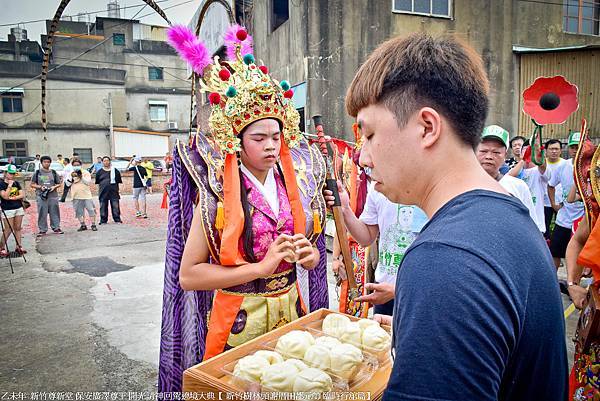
{"x": 44, "y": 193}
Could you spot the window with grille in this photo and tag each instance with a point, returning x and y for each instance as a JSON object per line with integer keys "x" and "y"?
{"x": 119, "y": 39}
{"x": 155, "y": 73}
{"x": 14, "y": 148}
{"x": 432, "y": 8}
{"x": 12, "y": 102}
{"x": 581, "y": 16}
{"x": 85, "y": 154}
{"x": 158, "y": 112}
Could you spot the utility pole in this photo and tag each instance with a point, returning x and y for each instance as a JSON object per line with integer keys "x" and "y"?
{"x": 111, "y": 130}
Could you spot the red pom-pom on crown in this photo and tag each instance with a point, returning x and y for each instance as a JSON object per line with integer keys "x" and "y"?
{"x": 224, "y": 74}
{"x": 288, "y": 94}
{"x": 241, "y": 35}
{"x": 264, "y": 69}
{"x": 214, "y": 98}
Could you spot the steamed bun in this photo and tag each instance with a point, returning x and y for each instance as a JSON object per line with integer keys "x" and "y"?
{"x": 271, "y": 356}
{"x": 352, "y": 334}
{"x": 279, "y": 376}
{"x": 364, "y": 323}
{"x": 312, "y": 380}
{"x": 347, "y": 358}
{"x": 318, "y": 357}
{"x": 294, "y": 344}
{"x": 297, "y": 363}
{"x": 376, "y": 338}
{"x": 250, "y": 368}
{"x": 329, "y": 342}
{"x": 335, "y": 324}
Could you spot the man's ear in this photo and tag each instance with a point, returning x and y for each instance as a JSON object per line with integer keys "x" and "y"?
{"x": 431, "y": 122}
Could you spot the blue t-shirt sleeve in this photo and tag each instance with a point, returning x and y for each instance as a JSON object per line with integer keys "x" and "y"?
{"x": 455, "y": 325}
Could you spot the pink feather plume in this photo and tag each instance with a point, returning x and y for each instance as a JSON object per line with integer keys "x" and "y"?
{"x": 189, "y": 47}
{"x": 231, "y": 40}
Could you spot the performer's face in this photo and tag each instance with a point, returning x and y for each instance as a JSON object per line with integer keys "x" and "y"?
{"x": 261, "y": 142}
{"x": 491, "y": 154}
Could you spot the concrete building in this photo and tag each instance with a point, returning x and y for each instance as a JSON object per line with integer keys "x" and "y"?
{"x": 122, "y": 91}
{"x": 319, "y": 45}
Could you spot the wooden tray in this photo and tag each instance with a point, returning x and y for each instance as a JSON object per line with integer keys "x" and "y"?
{"x": 207, "y": 377}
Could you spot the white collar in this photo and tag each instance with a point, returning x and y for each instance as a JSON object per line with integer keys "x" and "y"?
{"x": 268, "y": 189}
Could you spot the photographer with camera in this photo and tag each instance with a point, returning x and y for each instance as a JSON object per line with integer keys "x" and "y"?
{"x": 79, "y": 181}
{"x": 46, "y": 181}
{"x": 140, "y": 176}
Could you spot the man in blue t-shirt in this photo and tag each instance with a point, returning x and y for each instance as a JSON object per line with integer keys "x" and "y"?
{"x": 478, "y": 314}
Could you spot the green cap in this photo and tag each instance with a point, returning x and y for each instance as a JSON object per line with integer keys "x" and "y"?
{"x": 11, "y": 168}
{"x": 495, "y": 132}
{"x": 574, "y": 138}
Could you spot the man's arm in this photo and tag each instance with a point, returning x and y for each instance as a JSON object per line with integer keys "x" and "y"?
{"x": 516, "y": 170}
{"x": 552, "y": 196}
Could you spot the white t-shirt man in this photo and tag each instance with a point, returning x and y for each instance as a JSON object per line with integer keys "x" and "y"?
{"x": 398, "y": 224}
{"x": 538, "y": 186}
{"x": 552, "y": 167}
{"x": 519, "y": 190}
{"x": 570, "y": 211}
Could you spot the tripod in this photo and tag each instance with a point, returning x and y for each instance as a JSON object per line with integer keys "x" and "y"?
{"x": 3, "y": 227}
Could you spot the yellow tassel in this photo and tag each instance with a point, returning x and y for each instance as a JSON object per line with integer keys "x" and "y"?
{"x": 220, "y": 220}
{"x": 317, "y": 229}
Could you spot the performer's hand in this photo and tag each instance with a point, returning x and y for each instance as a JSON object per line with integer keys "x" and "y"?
{"x": 577, "y": 294}
{"x": 344, "y": 198}
{"x": 338, "y": 268}
{"x": 307, "y": 255}
{"x": 557, "y": 207}
{"x": 383, "y": 319}
{"x": 382, "y": 293}
{"x": 279, "y": 249}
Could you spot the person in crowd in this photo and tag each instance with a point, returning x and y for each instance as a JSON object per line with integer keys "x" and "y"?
{"x": 94, "y": 168}
{"x": 59, "y": 158}
{"x": 46, "y": 182}
{"x": 139, "y": 186}
{"x": 536, "y": 178}
{"x": 11, "y": 203}
{"x": 66, "y": 173}
{"x": 168, "y": 161}
{"x": 553, "y": 161}
{"x": 566, "y": 212}
{"x": 37, "y": 162}
{"x": 149, "y": 166}
{"x": 469, "y": 323}
{"x": 516, "y": 143}
{"x": 79, "y": 183}
{"x": 491, "y": 153}
{"x": 108, "y": 179}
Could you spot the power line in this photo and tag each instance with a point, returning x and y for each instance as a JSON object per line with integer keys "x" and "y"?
{"x": 88, "y": 13}
{"x": 57, "y": 67}
{"x": 166, "y": 72}
{"x": 115, "y": 63}
{"x": 25, "y": 115}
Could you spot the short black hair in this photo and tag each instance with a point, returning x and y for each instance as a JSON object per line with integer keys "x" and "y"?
{"x": 43, "y": 158}
{"x": 66, "y": 159}
{"x": 106, "y": 157}
{"x": 515, "y": 138}
{"x": 59, "y": 155}
{"x": 76, "y": 161}
{"x": 552, "y": 142}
